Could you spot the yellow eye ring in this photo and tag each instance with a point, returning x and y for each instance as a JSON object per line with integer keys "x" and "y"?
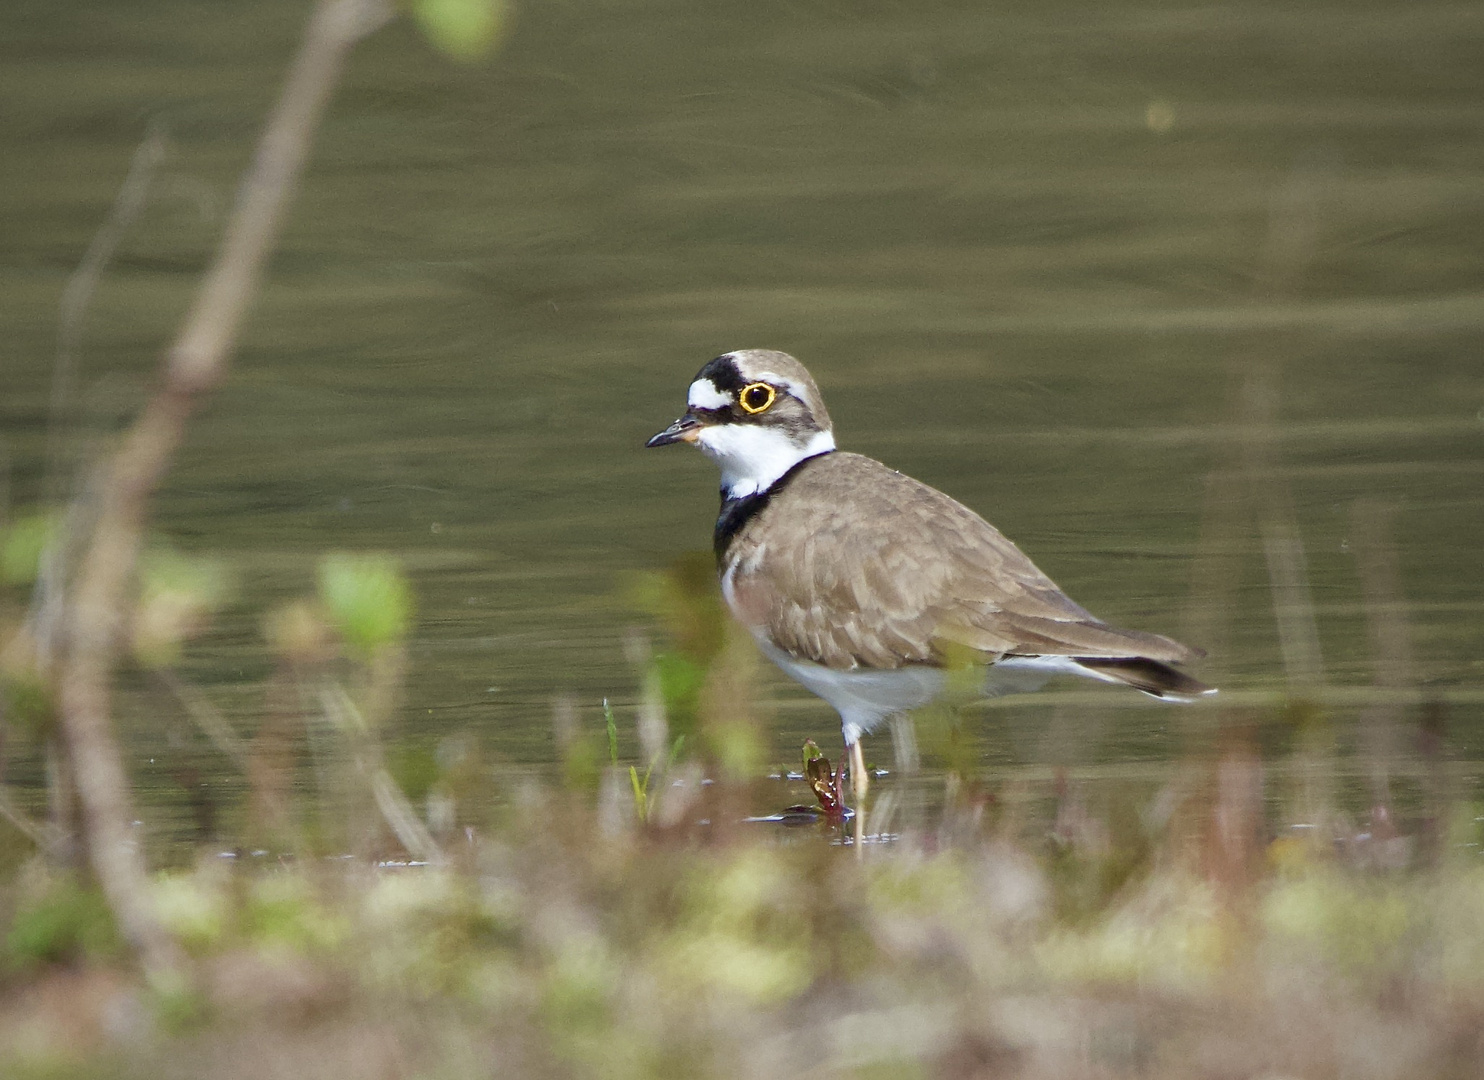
{"x": 757, "y": 397}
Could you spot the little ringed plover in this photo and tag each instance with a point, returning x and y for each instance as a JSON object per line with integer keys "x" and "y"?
{"x": 864, "y": 584}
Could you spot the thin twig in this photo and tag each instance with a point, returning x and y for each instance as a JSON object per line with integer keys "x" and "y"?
{"x": 1215, "y": 572}
{"x": 1391, "y": 638}
{"x": 207, "y": 717}
{"x": 77, "y": 297}
{"x": 48, "y": 614}
{"x": 39, "y": 833}
{"x": 1293, "y": 230}
{"x": 1380, "y": 585}
{"x": 395, "y": 809}
{"x": 1293, "y": 605}
{"x": 1278, "y": 529}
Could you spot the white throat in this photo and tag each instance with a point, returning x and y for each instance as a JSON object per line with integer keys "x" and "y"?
{"x": 752, "y": 457}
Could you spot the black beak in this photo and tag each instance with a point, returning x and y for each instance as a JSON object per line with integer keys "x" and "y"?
{"x": 683, "y": 430}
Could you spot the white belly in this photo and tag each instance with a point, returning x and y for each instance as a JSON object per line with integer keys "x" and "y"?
{"x": 864, "y": 697}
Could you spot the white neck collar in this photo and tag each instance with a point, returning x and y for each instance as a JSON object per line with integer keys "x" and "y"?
{"x": 752, "y": 457}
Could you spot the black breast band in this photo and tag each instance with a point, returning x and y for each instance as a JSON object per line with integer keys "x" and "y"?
{"x": 735, "y": 513}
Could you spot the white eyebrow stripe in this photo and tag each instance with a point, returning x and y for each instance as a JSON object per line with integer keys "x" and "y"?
{"x": 703, "y": 394}
{"x": 777, "y": 380}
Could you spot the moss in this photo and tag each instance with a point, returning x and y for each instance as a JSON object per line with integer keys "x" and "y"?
{"x": 65, "y": 922}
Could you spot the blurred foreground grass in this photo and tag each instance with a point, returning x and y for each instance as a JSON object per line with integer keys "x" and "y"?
{"x": 550, "y": 946}
{"x": 424, "y": 913}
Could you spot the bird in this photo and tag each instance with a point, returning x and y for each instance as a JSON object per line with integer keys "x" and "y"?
{"x": 867, "y": 586}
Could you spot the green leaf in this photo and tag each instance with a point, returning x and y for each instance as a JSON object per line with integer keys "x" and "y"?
{"x": 368, "y": 598}
{"x": 416, "y": 770}
{"x": 22, "y": 545}
{"x": 464, "y": 29}
{"x": 177, "y": 594}
{"x": 641, "y": 798}
{"x": 681, "y": 679}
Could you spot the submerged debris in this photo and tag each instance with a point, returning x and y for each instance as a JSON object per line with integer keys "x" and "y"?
{"x": 827, "y": 782}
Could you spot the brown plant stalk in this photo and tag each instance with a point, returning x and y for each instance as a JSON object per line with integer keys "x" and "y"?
{"x": 195, "y": 363}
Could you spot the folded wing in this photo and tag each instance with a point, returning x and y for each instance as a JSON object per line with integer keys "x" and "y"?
{"x": 902, "y": 574}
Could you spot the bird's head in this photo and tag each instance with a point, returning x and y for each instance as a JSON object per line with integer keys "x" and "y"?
{"x": 757, "y": 414}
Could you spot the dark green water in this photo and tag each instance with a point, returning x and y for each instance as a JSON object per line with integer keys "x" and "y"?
{"x": 1029, "y": 251}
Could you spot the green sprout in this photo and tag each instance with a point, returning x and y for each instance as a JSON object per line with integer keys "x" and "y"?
{"x": 641, "y": 791}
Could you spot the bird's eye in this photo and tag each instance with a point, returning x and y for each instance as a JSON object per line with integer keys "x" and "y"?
{"x": 756, "y": 397}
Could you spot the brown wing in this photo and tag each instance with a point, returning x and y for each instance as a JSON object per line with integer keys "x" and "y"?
{"x": 899, "y": 571}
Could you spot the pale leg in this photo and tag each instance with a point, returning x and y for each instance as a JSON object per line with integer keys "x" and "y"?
{"x": 859, "y": 782}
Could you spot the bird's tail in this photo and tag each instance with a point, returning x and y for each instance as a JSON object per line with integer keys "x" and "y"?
{"x": 1150, "y": 676}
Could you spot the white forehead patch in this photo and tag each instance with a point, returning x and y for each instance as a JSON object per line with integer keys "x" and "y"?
{"x": 704, "y": 395}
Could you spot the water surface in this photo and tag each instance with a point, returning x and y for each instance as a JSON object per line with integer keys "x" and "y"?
{"x": 1033, "y": 253}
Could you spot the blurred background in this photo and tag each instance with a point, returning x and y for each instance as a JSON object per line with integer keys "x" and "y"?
{"x": 1186, "y": 300}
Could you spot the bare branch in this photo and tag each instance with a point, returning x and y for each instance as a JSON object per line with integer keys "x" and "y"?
{"x": 195, "y": 363}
